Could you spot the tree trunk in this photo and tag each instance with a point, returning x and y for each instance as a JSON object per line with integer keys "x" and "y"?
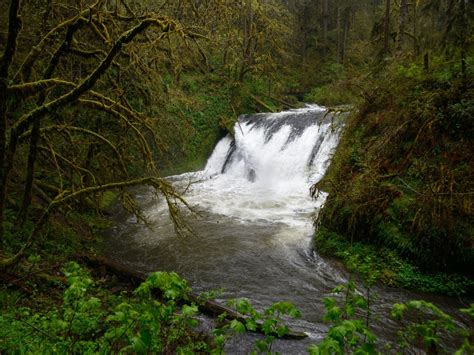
{"x": 3, "y": 129}
{"x": 386, "y": 32}
{"x": 402, "y": 19}
{"x": 416, "y": 47}
{"x": 35, "y": 132}
{"x": 92, "y": 149}
{"x": 345, "y": 32}
{"x": 339, "y": 32}
{"x": 344, "y": 21}
{"x": 248, "y": 48}
{"x": 426, "y": 62}
{"x": 325, "y": 22}
{"x": 14, "y": 26}
{"x": 462, "y": 11}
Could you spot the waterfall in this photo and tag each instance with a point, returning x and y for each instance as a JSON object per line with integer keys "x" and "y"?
{"x": 287, "y": 146}
{"x": 264, "y": 172}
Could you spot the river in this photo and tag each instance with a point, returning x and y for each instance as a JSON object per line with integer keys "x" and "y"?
{"x": 253, "y": 225}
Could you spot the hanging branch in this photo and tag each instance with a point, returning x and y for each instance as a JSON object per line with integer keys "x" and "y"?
{"x": 29, "y": 89}
{"x": 25, "y": 69}
{"x": 67, "y": 161}
{"x": 145, "y": 149}
{"x": 35, "y": 135}
{"x": 66, "y": 196}
{"x": 96, "y": 135}
{"x": 56, "y": 165}
{"x": 23, "y": 123}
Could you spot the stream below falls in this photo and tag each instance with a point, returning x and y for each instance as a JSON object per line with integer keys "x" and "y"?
{"x": 254, "y": 227}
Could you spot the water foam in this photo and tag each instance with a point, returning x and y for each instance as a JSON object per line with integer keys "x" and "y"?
{"x": 264, "y": 172}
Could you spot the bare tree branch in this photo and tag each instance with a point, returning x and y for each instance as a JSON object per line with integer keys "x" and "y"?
{"x": 25, "y": 69}
{"x": 66, "y": 196}
{"x": 22, "y": 124}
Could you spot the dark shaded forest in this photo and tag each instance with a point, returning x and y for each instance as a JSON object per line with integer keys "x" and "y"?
{"x": 99, "y": 97}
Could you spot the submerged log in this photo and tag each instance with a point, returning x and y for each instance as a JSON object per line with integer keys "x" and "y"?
{"x": 208, "y": 307}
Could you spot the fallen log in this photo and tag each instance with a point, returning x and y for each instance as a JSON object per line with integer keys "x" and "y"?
{"x": 262, "y": 104}
{"x": 283, "y": 102}
{"x": 208, "y": 307}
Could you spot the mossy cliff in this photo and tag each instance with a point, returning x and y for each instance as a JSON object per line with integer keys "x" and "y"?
{"x": 401, "y": 182}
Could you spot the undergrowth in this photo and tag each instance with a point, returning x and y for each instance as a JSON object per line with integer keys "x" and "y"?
{"x": 388, "y": 267}
{"x": 87, "y": 316}
{"x": 400, "y": 184}
{"x": 90, "y": 320}
{"x": 423, "y": 326}
{"x": 157, "y": 317}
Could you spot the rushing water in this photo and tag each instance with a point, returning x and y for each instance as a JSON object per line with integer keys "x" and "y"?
{"x": 253, "y": 236}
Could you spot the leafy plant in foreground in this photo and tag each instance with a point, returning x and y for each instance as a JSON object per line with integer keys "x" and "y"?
{"x": 423, "y": 321}
{"x": 423, "y": 326}
{"x": 349, "y": 332}
{"x": 150, "y": 325}
{"x": 270, "y": 322}
{"x": 85, "y": 324}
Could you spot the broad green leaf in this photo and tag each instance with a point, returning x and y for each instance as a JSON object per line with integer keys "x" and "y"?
{"x": 237, "y": 326}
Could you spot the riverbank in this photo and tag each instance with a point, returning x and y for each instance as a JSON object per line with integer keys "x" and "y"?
{"x": 400, "y": 184}
{"x": 384, "y": 265}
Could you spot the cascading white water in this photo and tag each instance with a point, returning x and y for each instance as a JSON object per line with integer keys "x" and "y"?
{"x": 265, "y": 172}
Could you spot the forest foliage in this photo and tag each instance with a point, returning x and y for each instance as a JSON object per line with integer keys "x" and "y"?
{"x": 401, "y": 180}
{"x": 100, "y": 96}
